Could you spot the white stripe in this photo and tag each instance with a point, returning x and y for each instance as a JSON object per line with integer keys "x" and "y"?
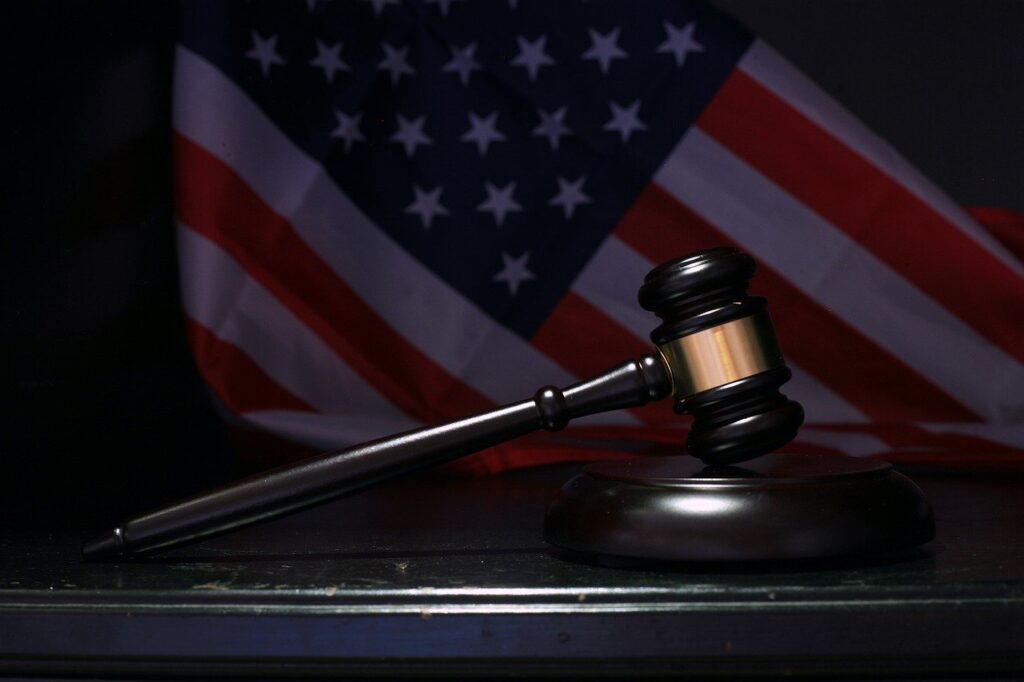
{"x": 613, "y": 418}
{"x": 826, "y": 264}
{"x": 219, "y": 294}
{"x": 1006, "y": 434}
{"x": 323, "y": 431}
{"x": 853, "y": 444}
{"x": 772, "y": 71}
{"x": 608, "y": 283}
{"x": 217, "y": 115}
{"x": 821, "y": 404}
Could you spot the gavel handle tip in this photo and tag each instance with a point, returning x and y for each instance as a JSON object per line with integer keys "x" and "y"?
{"x": 106, "y": 546}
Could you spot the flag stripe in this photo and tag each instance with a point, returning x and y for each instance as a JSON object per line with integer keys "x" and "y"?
{"x": 882, "y": 216}
{"x": 604, "y": 283}
{"x": 669, "y": 439}
{"x": 1005, "y": 225}
{"x": 850, "y": 443}
{"x": 834, "y": 270}
{"x": 907, "y": 436}
{"x": 878, "y": 384}
{"x": 213, "y": 200}
{"x": 320, "y": 431}
{"x": 773, "y": 72}
{"x": 857, "y": 440}
{"x": 238, "y": 381}
{"x": 218, "y": 294}
{"x": 802, "y": 447}
{"x": 217, "y": 115}
{"x": 1010, "y": 435}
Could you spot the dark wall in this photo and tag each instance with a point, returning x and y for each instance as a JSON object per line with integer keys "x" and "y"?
{"x": 942, "y": 80}
{"x": 103, "y": 409}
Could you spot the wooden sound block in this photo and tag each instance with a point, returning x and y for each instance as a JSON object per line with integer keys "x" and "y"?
{"x": 774, "y": 508}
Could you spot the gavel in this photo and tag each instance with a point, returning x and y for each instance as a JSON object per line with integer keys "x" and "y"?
{"x": 717, "y": 355}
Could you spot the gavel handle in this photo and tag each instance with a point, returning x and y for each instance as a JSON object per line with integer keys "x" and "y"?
{"x": 327, "y": 477}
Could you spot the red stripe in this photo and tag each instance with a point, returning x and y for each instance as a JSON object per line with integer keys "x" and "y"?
{"x": 1005, "y": 225}
{"x": 800, "y": 448}
{"x": 212, "y": 199}
{"x": 874, "y": 381}
{"x": 667, "y": 440}
{"x": 915, "y": 446}
{"x": 237, "y": 380}
{"x": 910, "y": 444}
{"x": 973, "y": 464}
{"x": 871, "y": 207}
{"x": 527, "y": 453}
{"x": 259, "y": 450}
{"x": 585, "y": 341}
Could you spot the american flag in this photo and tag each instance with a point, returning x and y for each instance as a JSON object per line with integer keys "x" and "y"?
{"x": 393, "y": 213}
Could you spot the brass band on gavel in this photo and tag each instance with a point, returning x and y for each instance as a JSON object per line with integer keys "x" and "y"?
{"x": 722, "y": 354}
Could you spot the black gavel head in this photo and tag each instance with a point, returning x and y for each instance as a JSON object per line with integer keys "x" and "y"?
{"x": 719, "y": 346}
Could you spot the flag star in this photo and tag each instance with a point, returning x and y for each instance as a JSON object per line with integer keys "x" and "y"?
{"x": 378, "y": 5}
{"x": 395, "y": 62}
{"x": 264, "y": 50}
{"x": 499, "y": 202}
{"x": 514, "y": 272}
{"x": 570, "y": 195}
{"x": 463, "y": 62}
{"x": 552, "y": 126}
{"x": 427, "y": 205}
{"x": 443, "y": 5}
{"x": 483, "y": 131}
{"x": 625, "y": 120}
{"x": 680, "y": 42}
{"x": 348, "y": 129}
{"x": 329, "y": 59}
{"x": 532, "y": 55}
{"x": 410, "y": 134}
{"x": 605, "y": 48}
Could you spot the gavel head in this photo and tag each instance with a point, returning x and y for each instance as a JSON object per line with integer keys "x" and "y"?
{"x": 719, "y": 346}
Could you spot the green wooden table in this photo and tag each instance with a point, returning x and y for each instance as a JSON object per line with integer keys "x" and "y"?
{"x": 451, "y": 577}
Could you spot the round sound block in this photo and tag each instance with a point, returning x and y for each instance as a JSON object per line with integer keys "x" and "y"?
{"x": 775, "y": 508}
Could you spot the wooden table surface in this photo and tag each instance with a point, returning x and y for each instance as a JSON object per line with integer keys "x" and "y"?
{"x": 451, "y": 577}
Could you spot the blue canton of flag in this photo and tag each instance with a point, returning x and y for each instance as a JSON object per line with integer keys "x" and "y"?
{"x": 498, "y": 143}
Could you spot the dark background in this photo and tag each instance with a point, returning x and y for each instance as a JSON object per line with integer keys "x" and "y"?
{"x": 941, "y": 80}
{"x": 105, "y": 413}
